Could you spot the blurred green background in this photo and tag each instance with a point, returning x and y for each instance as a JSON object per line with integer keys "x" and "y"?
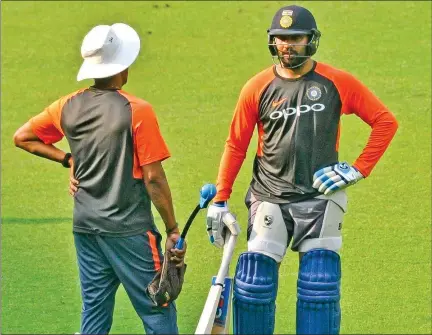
{"x": 195, "y": 58}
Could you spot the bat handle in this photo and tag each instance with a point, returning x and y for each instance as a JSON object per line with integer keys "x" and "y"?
{"x": 180, "y": 243}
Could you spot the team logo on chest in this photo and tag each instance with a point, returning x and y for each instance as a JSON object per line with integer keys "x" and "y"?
{"x": 313, "y": 93}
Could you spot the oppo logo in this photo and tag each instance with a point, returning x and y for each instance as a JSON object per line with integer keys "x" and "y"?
{"x": 296, "y": 110}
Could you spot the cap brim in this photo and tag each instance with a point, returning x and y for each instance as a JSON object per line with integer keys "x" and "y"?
{"x": 126, "y": 55}
{"x": 281, "y": 32}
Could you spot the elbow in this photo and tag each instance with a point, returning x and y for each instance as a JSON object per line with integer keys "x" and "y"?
{"x": 154, "y": 185}
{"x": 19, "y": 139}
{"x": 235, "y": 149}
{"x": 153, "y": 174}
{"x": 155, "y": 180}
{"x": 387, "y": 121}
{"x": 23, "y": 138}
{"x": 394, "y": 123}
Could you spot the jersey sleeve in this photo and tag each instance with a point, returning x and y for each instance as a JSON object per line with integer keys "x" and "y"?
{"x": 46, "y": 125}
{"x": 359, "y": 100}
{"x": 150, "y": 146}
{"x": 240, "y": 133}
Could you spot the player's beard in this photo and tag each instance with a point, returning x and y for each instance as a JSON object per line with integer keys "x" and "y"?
{"x": 294, "y": 61}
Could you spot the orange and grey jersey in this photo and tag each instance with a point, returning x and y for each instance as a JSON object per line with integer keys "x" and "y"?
{"x": 111, "y": 134}
{"x": 298, "y": 124}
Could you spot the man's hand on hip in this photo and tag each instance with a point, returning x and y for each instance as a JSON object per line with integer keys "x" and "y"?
{"x": 218, "y": 219}
{"x": 335, "y": 177}
{"x": 73, "y": 183}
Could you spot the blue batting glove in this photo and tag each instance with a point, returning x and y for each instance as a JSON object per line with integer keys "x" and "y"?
{"x": 336, "y": 177}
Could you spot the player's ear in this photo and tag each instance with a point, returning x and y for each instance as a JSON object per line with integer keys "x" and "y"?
{"x": 124, "y": 75}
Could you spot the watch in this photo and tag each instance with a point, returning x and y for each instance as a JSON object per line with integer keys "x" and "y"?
{"x": 169, "y": 231}
{"x": 65, "y": 161}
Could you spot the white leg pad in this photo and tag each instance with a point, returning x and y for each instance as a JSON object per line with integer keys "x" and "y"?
{"x": 330, "y": 236}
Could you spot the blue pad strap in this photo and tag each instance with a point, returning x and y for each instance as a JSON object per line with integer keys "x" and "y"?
{"x": 255, "y": 290}
{"x": 318, "y": 293}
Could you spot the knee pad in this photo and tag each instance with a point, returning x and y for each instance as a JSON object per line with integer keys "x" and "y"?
{"x": 318, "y": 293}
{"x": 255, "y": 290}
{"x": 269, "y": 235}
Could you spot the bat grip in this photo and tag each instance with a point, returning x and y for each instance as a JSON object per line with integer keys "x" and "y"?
{"x": 180, "y": 243}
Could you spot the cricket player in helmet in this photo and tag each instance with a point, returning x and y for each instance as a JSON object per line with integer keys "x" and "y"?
{"x": 296, "y": 197}
{"x": 289, "y": 23}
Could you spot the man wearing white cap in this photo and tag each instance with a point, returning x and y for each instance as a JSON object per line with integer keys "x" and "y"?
{"x": 117, "y": 150}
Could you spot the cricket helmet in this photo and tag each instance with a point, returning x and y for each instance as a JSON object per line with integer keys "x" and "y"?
{"x": 294, "y": 20}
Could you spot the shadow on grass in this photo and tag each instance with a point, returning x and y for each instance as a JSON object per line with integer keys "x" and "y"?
{"x": 9, "y": 220}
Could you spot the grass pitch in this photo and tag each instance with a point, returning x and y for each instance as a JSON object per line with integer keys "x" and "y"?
{"x": 195, "y": 58}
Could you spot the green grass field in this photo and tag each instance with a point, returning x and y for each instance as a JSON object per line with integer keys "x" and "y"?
{"x": 195, "y": 58}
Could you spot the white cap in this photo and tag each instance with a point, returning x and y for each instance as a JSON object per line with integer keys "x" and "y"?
{"x": 108, "y": 50}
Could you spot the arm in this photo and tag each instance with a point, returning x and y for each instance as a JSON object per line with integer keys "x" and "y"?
{"x": 383, "y": 130}
{"x": 160, "y": 194}
{"x": 150, "y": 151}
{"x": 241, "y": 130}
{"x": 362, "y": 102}
{"x": 40, "y": 132}
{"x": 26, "y": 139}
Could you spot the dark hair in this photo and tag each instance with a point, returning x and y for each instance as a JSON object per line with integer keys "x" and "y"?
{"x": 102, "y": 82}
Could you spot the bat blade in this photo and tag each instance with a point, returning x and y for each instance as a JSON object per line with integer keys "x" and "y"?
{"x": 221, "y": 324}
{"x": 208, "y": 314}
{"x": 207, "y": 319}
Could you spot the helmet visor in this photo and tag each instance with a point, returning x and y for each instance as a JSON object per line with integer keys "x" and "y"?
{"x": 287, "y": 32}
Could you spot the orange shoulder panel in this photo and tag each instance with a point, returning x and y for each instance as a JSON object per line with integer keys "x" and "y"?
{"x": 246, "y": 117}
{"x": 358, "y": 99}
{"x": 46, "y": 125}
{"x": 149, "y": 145}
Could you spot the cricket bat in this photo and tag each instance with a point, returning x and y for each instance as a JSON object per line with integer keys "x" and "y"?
{"x": 215, "y": 317}
{"x": 221, "y": 324}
